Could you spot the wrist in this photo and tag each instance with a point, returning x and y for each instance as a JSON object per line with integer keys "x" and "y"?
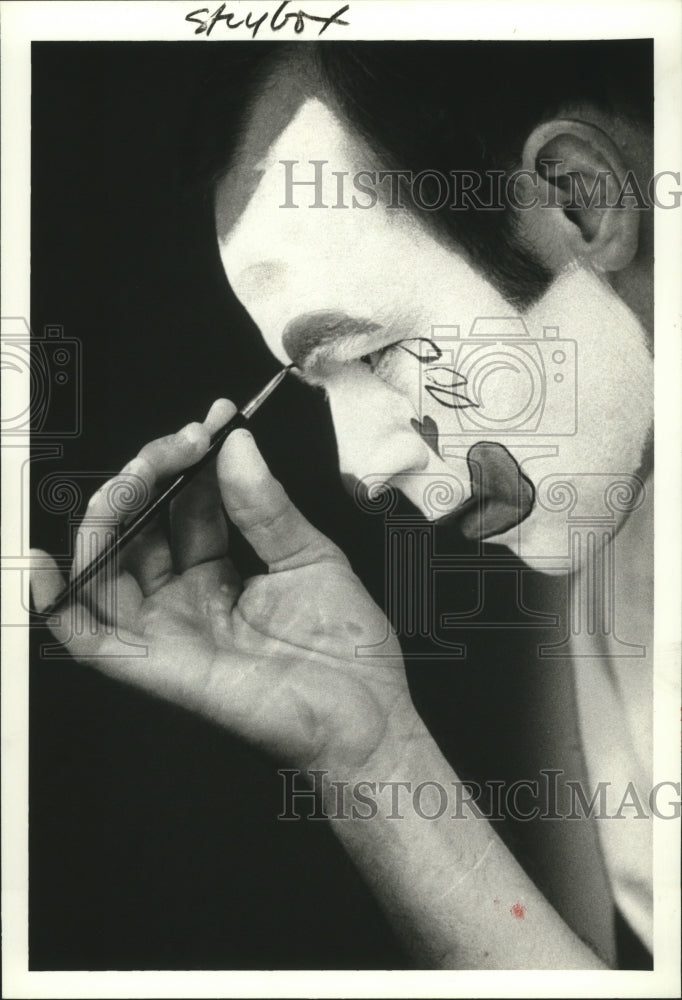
{"x": 404, "y": 742}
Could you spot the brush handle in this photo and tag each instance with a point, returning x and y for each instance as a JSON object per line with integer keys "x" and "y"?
{"x": 152, "y": 510}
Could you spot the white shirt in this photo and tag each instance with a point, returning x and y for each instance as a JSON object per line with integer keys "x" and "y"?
{"x": 615, "y": 707}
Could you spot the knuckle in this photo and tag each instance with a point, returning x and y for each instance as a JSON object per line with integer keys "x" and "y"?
{"x": 268, "y": 510}
{"x": 106, "y": 504}
{"x": 153, "y": 451}
{"x": 122, "y": 495}
{"x": 262, "y": 516}
{"x": 139, "y": 466}
{"x": 95, "y": 498}
{"x": 204, "y": 512}
{"x": 194, "y": 437}
{"x": 167, "y": 453}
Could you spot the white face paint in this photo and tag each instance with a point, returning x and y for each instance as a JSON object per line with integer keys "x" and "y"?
{"x": 421, "y": 358}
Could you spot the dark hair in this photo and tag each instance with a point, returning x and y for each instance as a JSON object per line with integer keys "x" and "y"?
{"x": 443, "y": 106}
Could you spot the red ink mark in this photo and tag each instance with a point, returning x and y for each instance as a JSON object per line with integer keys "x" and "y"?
{"x": 518, "y": 911}
{"x": 496, "y": 901}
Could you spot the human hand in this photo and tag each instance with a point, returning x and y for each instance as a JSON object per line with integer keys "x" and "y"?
{"x": 272, "y": 658}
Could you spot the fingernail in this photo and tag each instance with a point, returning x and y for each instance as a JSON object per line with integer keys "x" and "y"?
{"x": 251, "y": 469}
{"x": 243, "y": 437}
{"x": 221, "y": 410}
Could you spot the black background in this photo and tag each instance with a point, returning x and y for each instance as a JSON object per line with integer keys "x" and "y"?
{"x": 154, "y": 841}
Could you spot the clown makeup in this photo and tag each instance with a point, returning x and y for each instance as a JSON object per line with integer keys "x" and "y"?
{"x": 435, "y": 384}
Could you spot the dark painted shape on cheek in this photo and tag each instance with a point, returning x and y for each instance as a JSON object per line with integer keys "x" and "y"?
{"x": 428, "y": 430}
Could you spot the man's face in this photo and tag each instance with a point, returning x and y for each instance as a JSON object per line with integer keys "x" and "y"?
{"x": 436, "y": 385}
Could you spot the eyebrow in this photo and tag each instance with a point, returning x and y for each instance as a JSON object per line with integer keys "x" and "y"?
{"x": 316, "y": 340}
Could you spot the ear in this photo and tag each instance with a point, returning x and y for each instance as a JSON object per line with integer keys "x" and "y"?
{"x": 584, "y": 212}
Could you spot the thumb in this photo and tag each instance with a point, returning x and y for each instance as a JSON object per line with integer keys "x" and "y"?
{"x": 258, "y": 505}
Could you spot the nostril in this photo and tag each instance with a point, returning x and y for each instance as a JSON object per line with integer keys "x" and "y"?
{"x": 370, "y": 496}
{"x": 362, "y": 493}
{"x": 350, "y": 483}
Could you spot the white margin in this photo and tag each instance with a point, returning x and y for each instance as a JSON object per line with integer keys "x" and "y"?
{"x": 23, "y": 21}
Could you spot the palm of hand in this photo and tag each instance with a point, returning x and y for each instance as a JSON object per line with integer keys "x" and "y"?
{"x": 275, "y": 660}
{"x": 299, "y": 661}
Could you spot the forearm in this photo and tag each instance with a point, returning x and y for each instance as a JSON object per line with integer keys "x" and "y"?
{"x": 453, "y": 891}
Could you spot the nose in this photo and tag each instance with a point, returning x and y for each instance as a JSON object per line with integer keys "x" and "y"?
{"x": 372, "y": 426}
{"x": 377, "y": 444}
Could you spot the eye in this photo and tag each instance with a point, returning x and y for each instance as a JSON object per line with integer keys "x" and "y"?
{"x": 373, "y": 359}
{"x": 425, "y": 351}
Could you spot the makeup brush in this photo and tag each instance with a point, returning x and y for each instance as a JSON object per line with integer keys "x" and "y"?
{"x": 155, "y": 506}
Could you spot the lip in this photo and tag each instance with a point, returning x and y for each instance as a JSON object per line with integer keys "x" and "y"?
{"x": 502, "y": 496}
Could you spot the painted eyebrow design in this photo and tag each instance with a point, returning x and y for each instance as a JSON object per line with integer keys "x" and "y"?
{"x": 317, "y": 340}
{"x": 422, "y": 349}
{"x": 444, "y": 379}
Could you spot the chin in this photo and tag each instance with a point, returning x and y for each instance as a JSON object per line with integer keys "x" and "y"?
{"x": 560, "y": 546}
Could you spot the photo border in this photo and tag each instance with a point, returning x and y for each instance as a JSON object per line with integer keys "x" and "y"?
{"x": 24, "y": 22}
